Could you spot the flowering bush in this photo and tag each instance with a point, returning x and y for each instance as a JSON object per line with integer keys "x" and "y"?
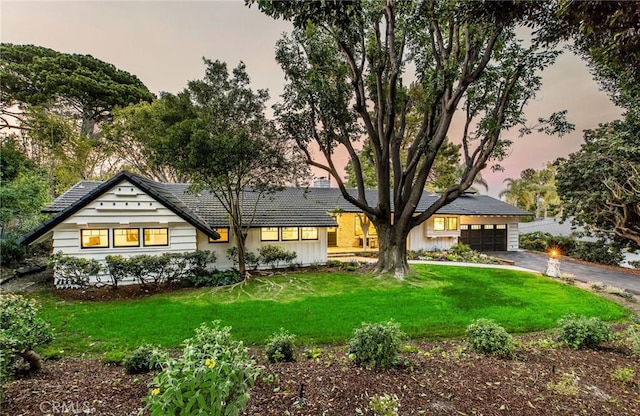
{"x": 212, "y": 377}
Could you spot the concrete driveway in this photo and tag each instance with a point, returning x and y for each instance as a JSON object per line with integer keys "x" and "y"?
{"x": 583, "y": 272}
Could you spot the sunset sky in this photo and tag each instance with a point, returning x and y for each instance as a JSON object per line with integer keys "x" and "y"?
{"x": 163, "y": 44}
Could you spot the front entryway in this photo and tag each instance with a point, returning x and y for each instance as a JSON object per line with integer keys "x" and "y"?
{"x": 484, "y": 237}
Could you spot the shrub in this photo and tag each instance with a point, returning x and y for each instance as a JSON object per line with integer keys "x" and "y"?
{"x": 385, "y": 405}
{"x": 281, "y": 347}
{"x": 273, "y": 255}
{"x": 74, "y": 271}
{"x": 624, "y": 375}
{"x": 215, "y": 278}
{"x": 460, "y": 249}
{"x": 12, "y": 253}
{"x": 141, "y": 360}
{"x": 578, "y": 331}
{"x": 252, "y": 260}
{"x": 21, "y": 330}
{"x": 597, "y": 252}
{"x": 212, "y": 377}
{"x": 167, "y": 268}
{"x": 618, "y": 291}
{"x": 376, "y": 345}
{"x": 632, "y": 338}
{"x": 486, "y": 336}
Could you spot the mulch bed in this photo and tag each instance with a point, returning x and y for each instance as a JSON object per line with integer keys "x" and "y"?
{"x": 441, "y": 379}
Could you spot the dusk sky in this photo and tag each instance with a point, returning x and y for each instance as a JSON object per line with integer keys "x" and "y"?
{"x": 163, "y": 44}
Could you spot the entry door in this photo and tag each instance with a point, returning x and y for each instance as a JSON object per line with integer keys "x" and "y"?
{"x": 484, "y": 237}
{"x": 332, "y": 237}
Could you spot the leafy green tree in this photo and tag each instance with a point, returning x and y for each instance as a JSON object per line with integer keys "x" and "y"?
{"x": 81, "y": 85}
{"x": 134, "y": 129}
{"x": 606, "y": 34}
{"x": 58, "y": 103}
{"x": 22, "y": 199}
{"x": 346, "y": 64}
{"x": 222, "y": 142}
{"x": 533, "y": 191}
{"x": 12, "y": 161}
{"x": 600, "y": 184}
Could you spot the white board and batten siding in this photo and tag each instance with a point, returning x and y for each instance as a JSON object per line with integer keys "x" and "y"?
{"x": 309, "y": 251}
{"x": 424, "y": 237}
{"x": 123, "y": 206}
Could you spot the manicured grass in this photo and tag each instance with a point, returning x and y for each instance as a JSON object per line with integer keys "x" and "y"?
{"x": 434, "y": 302}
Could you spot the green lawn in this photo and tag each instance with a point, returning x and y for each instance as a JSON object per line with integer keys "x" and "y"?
{"x": 435, "y": 302}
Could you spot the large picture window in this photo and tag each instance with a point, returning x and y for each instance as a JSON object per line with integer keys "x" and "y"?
{"x": 269, "y": 234}
{"x": 290, "y": 233}
{"x": 98, "y": 238}
{"x": 309, "y": 233}
{"x": 156, "y": 236}
{"x": 126, "y": 237}
{"x": 445, "y": 223}
{"x": 224, "y": 236}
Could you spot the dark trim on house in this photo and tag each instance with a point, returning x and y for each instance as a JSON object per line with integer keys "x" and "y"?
{"x": 171, "y": 202}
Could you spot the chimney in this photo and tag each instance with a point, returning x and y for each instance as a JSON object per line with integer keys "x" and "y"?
{"x": 322, "y": 182}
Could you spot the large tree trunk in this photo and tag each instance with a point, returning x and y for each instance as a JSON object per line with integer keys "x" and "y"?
{"x": 392, "y": 254}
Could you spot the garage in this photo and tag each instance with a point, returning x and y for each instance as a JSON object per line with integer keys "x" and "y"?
{"x": 484, "y": 237}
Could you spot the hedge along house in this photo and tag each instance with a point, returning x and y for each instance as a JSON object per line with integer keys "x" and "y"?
{"x": 130, "y": 215}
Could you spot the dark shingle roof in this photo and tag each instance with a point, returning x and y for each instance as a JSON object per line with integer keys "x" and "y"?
{"x": 83, "y": 193}
{"x": 288, "y": 207}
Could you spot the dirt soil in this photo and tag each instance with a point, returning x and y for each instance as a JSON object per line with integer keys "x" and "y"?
{"x": 442, "y": 378}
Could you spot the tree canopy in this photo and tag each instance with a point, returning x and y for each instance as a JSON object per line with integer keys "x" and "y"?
{"x": 215, "y": 134}
{"x": 69, "y": 83}
{"x": 607, "y": 33}
{"x": 53, "y": 107}
{"x": 600, "y": 184}
{"x": 534, "y": 190}
{"x": 347, "y": 66}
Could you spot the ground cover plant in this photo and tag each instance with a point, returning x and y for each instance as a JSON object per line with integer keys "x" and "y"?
{"x": 434, "y": 302}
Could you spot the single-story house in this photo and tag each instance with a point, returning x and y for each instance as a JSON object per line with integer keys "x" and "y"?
{"x": 130, "y": 215}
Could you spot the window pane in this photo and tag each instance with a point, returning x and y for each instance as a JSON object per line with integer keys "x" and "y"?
{"x": 126, "y": 237}
{"x": 94, "y": 238}
{"x": 464, "y": 227}
{"x": 224, "y": 236}
{"x": 156, "y": 236}
{"x": 269, "y": 234}
{"x": 488, "y": 227}
{"x": 452, "y": 223}
{"x": 476, "y": 227}
{"x": 309, "y": 233}
{"x": 501, "y": 226}
{"x": 438, "y": 224}
{"x": 289, "y": 233}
